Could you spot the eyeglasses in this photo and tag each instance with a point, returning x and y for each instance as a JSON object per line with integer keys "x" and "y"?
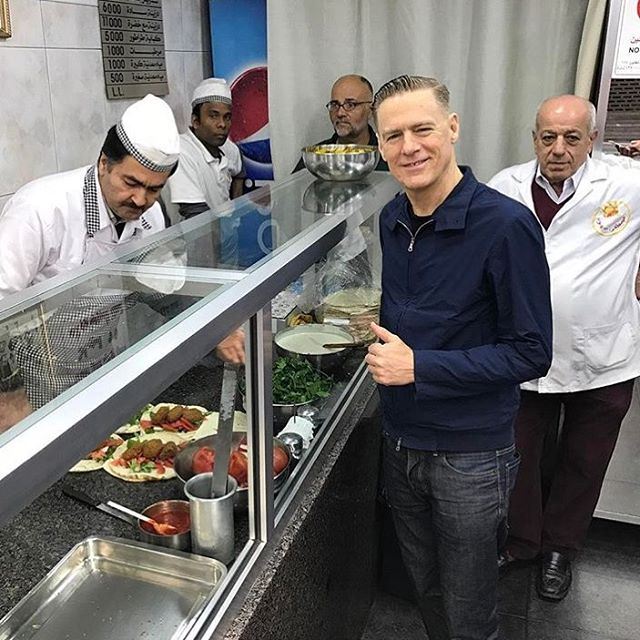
{"x": 347, "y": 105}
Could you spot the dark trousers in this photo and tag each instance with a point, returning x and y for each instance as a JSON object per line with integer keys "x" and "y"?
{"x": 448, "y": 510}
{"x": 588, "y": 436}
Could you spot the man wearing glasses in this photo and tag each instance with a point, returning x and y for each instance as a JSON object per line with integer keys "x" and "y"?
{"x": 349, "y": 111}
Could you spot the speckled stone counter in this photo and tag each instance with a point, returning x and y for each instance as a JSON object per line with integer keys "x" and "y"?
{"x": 317, "y": 576}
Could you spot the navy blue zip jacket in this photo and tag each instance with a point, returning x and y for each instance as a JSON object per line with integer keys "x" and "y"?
{"x": 469, "y": 293}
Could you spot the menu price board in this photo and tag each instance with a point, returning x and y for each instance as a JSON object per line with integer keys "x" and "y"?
{"x": 133, "y": 53}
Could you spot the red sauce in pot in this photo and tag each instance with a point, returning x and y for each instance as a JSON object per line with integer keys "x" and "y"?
{"x": 181, "y": 520}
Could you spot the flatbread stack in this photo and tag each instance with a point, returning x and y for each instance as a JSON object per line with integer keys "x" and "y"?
{"x": 353, "y": 309}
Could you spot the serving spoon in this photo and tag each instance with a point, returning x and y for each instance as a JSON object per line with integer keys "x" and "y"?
{"x": 343, "y": 345}
{"x": 162, "y": 528}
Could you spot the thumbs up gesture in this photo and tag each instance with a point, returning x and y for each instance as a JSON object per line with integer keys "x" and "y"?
{"x": 390, "y": 361}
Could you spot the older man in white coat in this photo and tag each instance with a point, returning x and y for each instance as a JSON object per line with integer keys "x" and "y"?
{"x": 589, "y": 212}
{"x": 59, "y": 222}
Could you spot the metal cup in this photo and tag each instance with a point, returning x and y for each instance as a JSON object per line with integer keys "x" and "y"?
{"x": 212, "y": 531}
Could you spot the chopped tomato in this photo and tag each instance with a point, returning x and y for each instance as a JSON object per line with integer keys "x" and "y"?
{"x": 159, "y": 467}
{"x": 146, "y": 424}
{"x": 203, "y": 460}
{"x": 188, "y": 425}
{"x": 239, "y": 468}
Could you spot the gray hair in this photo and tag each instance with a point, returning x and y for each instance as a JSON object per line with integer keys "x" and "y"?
{"x": 591, "y": 111}
{"x": 404, "y": 84}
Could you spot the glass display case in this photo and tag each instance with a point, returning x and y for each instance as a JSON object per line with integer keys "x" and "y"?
{"x": 96, "y": 360}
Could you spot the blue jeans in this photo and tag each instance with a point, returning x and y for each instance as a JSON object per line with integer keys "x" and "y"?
{"x": 449, "y": 511}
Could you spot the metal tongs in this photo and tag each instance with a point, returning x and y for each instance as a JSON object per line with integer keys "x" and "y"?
{"x": 225, "y": 430}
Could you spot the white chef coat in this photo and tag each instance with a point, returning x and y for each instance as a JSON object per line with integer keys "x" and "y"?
{"x": 593, "y": 258}
{"x": 200, "y": 177}
{"x": 43, "y": 230}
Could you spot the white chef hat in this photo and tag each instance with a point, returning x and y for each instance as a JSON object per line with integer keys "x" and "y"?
{"x": 149, "y": 133}
{"x": 211, "y": 90}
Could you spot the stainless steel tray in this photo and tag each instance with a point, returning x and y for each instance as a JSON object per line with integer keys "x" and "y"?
{"x": 107, "y": 588}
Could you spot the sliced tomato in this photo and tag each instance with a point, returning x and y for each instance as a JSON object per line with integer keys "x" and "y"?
{"x": 188, "y": 425}
{"x": 239, "y": 468}
{"x": 203, "y": 460}
{"x": 171, "y": 426}
{"x": 160, "y": 468}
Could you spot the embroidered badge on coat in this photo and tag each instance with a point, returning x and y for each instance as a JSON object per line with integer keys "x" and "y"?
{"x": 611, "y": 217}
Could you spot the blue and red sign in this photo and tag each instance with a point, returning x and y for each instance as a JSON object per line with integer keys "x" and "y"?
{"x": 239, "y": 37}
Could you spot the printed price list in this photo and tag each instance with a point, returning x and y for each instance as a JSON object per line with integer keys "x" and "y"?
{"x": 133, "y": 52}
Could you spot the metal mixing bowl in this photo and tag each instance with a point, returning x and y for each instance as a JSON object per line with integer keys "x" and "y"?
{"x": 340, "y": 162}
{"x": 317, "y": 335}
{"x": 184, "y": 471}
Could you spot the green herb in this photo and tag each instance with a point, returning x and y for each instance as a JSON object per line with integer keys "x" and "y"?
{"x": 138, "y": 416}
{"x": 295, "y": 381}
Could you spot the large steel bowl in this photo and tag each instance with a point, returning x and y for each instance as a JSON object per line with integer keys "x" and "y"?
{"x": 340, "y": 162}
{"x": 184, "y": 470}
{"x": 306, "y": 340}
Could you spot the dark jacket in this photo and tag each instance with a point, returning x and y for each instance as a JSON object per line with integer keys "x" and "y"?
{"x": 469, "y": 293}
{"x": 373, "y": 141}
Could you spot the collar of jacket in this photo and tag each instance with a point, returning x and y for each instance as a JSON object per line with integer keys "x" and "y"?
{"x": 451, "y": 215}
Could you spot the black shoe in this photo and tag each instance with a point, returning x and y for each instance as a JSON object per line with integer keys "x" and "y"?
{"x": 554, "y": 578}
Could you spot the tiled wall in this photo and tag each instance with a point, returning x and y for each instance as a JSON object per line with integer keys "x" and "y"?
{"x": 53, "y": 110}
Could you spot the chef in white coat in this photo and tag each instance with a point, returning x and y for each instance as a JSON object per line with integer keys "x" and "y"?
{"x": 59, "y": 222}
{"x": 590, "y": 213}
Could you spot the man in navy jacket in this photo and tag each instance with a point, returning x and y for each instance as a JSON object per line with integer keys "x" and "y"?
{"x": 465, "y": 318}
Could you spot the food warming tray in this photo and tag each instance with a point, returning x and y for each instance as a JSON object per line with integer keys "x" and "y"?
{"x": 107, "y": 588}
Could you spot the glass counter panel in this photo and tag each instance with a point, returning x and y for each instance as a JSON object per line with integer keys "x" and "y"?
{"x": 143, "y": 465}
{"x": 332, "y": 303}
{"x": 48, "y": 346}
{"x": 245, "y": 232}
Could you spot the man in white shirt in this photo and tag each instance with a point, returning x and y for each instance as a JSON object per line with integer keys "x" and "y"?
{"x": 210, "y": 171}
{"x": 592, "y": 235}
{"x": 59, "y": 222}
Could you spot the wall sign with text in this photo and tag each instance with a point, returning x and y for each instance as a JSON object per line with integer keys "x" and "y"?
{"x": 627, "y": 59}
{"x": 133, "y": 53}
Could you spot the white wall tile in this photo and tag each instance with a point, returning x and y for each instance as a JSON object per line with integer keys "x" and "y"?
{"x": 70, "y": 25}
{"x": 172, "y": 23}
{"x": 89, "y": 3}
{"x": 195, "y": 25}
{"x": 55, "y": 114}
{"x": 26, "y": 127}
{"x": 78, "y": 102}
{"x": 197, "y": 66}
{"x": 177, "y": 98}
{"x": 26, "y": 23}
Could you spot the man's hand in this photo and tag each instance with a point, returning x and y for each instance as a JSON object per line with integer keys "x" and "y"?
{"x": 231, "y": 349}
{"x": 390, "y": 363}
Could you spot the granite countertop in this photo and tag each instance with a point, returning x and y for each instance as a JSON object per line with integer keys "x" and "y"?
{"x": 35, "y": 540}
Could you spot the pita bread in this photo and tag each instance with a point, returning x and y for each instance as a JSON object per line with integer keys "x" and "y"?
{"x": 206, "y": 428}
{"x": 127, "y": 474}
{"x": 88, "y": 464}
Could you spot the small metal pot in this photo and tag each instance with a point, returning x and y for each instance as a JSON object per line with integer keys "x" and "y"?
{"x": 325, "y": 333}
{"x": 180, "y": 541}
